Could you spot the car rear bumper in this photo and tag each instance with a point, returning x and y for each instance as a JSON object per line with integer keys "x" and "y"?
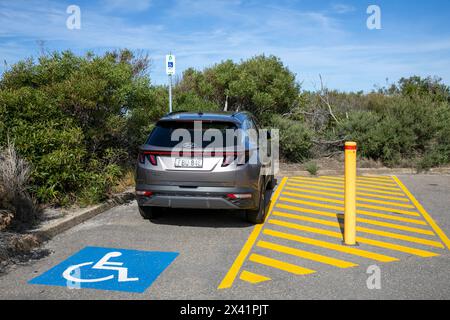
{"x": 197, "y": 198}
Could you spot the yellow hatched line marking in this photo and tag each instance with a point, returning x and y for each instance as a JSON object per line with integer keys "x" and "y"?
{"x": 314, "y": 187}
{"x": 376, "y": 243}
{"x": 306, "y": 255}
{"x": 401, "y": 237}
{"x": 341, "y": 217}
{"x": 375, "y": 183}
{"x": 395, "y": 226}
{"x": 340, "y": 187}
{"x": 424, "y": 213}
{"x": 382, "y": 197}
{"x": 277, "y": 264}
{"x": 361, "y": 229}
{"x": 229, "y": 278}
{"x": 380, "y": 191}
{"x": 362, "y": 182}
{"x": 361, "y": 205}
{"x": 253, "y": 278}
{"x": 331, "y": 246}
{"x": 341, "y": 196}
{"x": 371, "y": 178}
{"x": 377, "y": 215}
{"x": 320, "y": 205}
{"x": 316, "y": 182}
{"x": 341, "y": 183}
{"x": 342, "y": 191}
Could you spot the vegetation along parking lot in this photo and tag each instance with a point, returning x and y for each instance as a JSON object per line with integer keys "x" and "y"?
{"x": 70, "y": 125}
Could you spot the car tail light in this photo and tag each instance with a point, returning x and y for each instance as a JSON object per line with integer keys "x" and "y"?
{"x": 150, "y": 157}
{"x": 144, "y": 193}
{"x": 234, "y": 196}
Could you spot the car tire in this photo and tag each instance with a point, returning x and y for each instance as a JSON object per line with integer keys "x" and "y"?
{"x": 258, "y": 216}
{"x": 272, "y": 182}
{"x": 149, "y": 212}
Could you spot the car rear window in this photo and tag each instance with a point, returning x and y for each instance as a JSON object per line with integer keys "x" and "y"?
{"x": 161, "y": 136}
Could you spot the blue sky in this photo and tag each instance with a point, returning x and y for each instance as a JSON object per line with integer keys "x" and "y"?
{"x": 311, "y": 37}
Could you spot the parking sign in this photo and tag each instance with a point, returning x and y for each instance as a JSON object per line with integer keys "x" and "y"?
{"x": 170, "y": 64}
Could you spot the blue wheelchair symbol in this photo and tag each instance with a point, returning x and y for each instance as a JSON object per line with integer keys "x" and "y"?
{"x": 170, "y": 64}
{"x": 108, "y": 269}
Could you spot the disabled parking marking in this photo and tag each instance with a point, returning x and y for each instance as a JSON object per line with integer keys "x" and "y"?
{"x": 108, "y": 269}
{"x": 307, "y": 214}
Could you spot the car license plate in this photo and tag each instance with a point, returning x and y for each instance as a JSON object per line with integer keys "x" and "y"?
{"x": 188, "y": 163}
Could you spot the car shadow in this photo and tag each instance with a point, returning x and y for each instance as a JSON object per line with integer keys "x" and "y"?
{"x": 206, "y": 218}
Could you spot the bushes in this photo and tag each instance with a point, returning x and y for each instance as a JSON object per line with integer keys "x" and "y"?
{"x": 295, "y": 139}
{"x": 16, "y": 204}
{"x": 400, "y": 135}
{"x": 78, "y": 120}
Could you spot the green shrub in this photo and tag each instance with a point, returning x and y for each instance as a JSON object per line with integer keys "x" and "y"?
{"x": 78, "y": 120}
{"x": 312, "y": 168}
{"x": 295, "y": 139}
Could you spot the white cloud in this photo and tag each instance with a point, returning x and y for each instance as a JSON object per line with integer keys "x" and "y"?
{"x": 343, "y": 8}
{"x": 126, "y": 5}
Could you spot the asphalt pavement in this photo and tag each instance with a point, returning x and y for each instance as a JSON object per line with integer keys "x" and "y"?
{"x": 296, "y": 254}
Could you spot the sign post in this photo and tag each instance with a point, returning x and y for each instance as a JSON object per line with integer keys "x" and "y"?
{"x": 170, "y": 70}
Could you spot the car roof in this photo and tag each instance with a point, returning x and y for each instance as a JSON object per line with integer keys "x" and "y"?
{"x": 236, "y": 117}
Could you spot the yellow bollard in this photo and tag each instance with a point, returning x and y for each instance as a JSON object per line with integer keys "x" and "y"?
{"x": 350, "y": 194}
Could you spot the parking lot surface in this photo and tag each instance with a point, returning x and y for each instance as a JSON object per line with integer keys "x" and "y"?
{"x": 402, "y": 228}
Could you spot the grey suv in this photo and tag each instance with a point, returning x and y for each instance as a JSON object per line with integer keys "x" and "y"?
{"x": 172, "y": 173}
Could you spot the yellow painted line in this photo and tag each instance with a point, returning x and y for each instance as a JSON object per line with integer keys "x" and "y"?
{"x": 321, "y": 205}
{"x": 361, "y": 205}
{"x": 397, "y": 247}
{"x": 341, "y": 182}
{"x": 341, "y": 216}
{"x": 380, "y": 191}
{"x": 341, "y": 196}
{"x": 375, "y": 178}
{"x": 328, "y": 214}
{"x": 288, "y": 267}
{"x": 306, "y": 255}
{"x": 312, "y": 189}
{"x": 381, "y": 197}
{"x": 304, "y": 218}
{"x": 376, "y": 183}
{"x": 316, "y": 182}
{"x": 340, "y": 187}
{"x": 361, "y": 229}
{"x": 331, "y": 246}
{"x": 401, "y": 237}
{"x": 390, "y": 186}
{"x": 229, "y": 278}
{"x": 253, "y": 277}
{"x": 376, "y": 243}
{"x": 395, "y": 226}
{"x": 387, "y": 203}
{"x": 424, "y": 213}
